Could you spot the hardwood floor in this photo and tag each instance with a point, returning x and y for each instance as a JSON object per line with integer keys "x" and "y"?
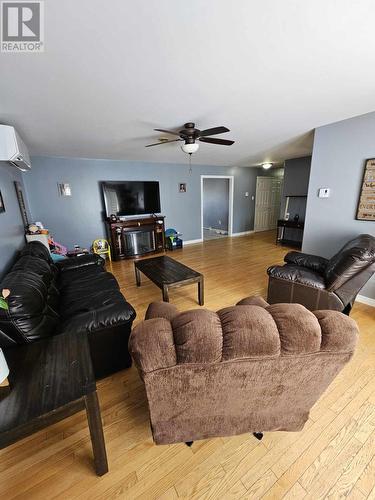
{"x": 334, "y": 455}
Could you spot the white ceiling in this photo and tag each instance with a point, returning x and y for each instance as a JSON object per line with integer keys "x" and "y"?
{"x": 113, "y": 70}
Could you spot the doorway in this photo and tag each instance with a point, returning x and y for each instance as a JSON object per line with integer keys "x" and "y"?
{"x": 267, "y": 203}
{"x": 216, "y": 206}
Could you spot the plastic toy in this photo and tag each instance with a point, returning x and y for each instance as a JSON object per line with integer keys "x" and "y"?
{"x": 102, "y": 247}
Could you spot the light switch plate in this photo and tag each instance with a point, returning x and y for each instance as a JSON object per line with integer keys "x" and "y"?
{"x": 324, "y": 193}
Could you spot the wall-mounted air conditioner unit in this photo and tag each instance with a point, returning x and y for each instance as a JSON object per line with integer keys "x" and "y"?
{"x": 13, "y": 149}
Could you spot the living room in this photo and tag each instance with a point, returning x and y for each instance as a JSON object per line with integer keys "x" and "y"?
{"x": 149, "y": 348}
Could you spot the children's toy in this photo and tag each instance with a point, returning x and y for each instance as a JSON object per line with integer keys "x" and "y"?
{"x": 102, "y": 247}
{"x": 172, "y": 239}
{"x": 56, "y": 247}
{"x": 33, "y": 229}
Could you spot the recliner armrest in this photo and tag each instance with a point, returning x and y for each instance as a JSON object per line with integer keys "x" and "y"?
{"x": 313, "y": 262}
{"x": 297, "y": 274}
{"x": 152, "y": 346}
{"x": 79, "y": 262}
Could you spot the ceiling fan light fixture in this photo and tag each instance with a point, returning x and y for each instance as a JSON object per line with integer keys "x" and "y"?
{"x": 267, "y": 165}
{"x": 190, "y": 148}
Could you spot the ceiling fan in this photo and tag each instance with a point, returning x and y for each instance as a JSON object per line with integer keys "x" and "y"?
{"x": 189, "y": 134}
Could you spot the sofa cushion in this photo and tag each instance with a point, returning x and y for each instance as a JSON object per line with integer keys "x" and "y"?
{"x": 72, "y": 304}
{"x": 33, "y": 303}
{"x": 32, "y": 264}
{"x": 337, "y": 332}
{"x": 248, "y": 331}
{"x": 104, "y": 310}
{"x": 198, "y": 336}
{"x": 299, "y": 329}
{"x": 78, "y": 262}
{"x": 37, "y": 249}
{"x": 86, "y": 281}
{"x": 154, "y": 352}
{"x": 253, "y": 301}
{"x": 161, "y": 310}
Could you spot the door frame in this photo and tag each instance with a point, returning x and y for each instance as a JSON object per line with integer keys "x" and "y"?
{"x": 256, "y": 192}
{"x": 230, "y": 200}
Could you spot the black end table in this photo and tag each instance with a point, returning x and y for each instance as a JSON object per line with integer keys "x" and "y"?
{"x": 50, "y": 380}
{"x": 167, "y": 273}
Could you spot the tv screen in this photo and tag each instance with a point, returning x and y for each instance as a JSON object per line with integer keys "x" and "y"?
{"x": 131, "y": 197}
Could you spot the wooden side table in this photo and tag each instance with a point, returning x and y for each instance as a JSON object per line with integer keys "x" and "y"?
{"x": 291, "y": 224}
{"x": 50, "y": 380}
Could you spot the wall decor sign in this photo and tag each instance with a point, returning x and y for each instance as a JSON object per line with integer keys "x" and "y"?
{"x": 366, "y": 204}
{"x": 21, "y": 202}
{"x": 2, "y": 207}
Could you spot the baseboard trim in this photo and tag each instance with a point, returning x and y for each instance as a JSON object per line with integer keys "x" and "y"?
{"x": 192, "y": 242}
{"x": 244, "y": 233}
{"x": 365, "y": 300}
{"x": 233, "y": 235}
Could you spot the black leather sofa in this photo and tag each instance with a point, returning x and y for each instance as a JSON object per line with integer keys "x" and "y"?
{"x": 75, "y": 295}
{"x": 319, "y": 283}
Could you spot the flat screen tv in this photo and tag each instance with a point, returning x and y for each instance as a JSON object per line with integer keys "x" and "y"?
{"x": 131, "y": 197}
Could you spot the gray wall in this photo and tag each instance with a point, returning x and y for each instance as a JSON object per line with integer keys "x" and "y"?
{"x": 79, "y": 220}
{"x": 216, "y": 203}
{"x": 296, "y": 183}
{"x": 339, "y": 155}
{"x": 296, "y": 176}
{"x": 11, "y": 225}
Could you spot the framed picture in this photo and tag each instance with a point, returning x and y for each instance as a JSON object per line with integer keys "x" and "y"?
{"x": 182, "y": 187}
{"x": 64, "y": 189}
{"x": 21, "y": 202}
{"x": 366, "y": 204}
{"x": 2, "y": 207}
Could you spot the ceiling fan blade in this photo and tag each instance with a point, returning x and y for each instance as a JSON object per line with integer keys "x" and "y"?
{"x": 166, "y": 131}
{"x": 162, "y": 142}
{"x": 212, "y": 140}
{"x": 213, "y": 131}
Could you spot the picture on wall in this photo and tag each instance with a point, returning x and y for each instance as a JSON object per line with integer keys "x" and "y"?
{"x": 21, "y": 202}
{"x": 366, "y": 205}
{"x": 2, "y": 207}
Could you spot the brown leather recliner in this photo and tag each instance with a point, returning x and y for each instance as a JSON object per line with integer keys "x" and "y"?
{"x": 248, "y": 368}
{"x": 319, "y": 283}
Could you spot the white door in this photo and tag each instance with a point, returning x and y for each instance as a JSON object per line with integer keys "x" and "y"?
{"x": 267, "y": 203}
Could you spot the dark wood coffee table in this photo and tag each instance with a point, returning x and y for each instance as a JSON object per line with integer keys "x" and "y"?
{"x": 50, "y": 380}
{"x": 167, "y": 273}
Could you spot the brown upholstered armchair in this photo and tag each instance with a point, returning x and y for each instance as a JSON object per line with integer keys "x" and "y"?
{"x": 319, "y": 283}
{"x": 247, "y": 368}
